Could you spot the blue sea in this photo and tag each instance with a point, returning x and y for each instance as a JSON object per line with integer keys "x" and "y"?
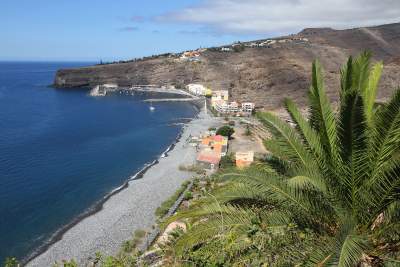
{"x": 62, "y": 151}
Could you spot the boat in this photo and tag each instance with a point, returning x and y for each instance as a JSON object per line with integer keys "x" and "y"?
{"x": 151, "y": 107}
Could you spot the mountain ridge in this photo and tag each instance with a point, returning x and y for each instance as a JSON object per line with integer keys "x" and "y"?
{"x": 264, "y": 75}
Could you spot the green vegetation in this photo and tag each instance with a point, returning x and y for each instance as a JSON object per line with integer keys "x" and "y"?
{"x": 166, "y": 205}
{"x": 11, "y": 262}
{"x": 227, "y": 161}
{"x": 328, "y": 195}
{"x": 64, "y": 263}
{"x": 192, "y": 168}
{"x": 239, "y": 48}
{"x": 188, "y": 195}
{"x": 226, "y": 131}
{"x": 248, "y": 131}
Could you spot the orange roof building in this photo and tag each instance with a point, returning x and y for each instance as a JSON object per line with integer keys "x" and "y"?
{"x": 244, "y": 159}
{"x": 217, "y": 143}
{"x": 209, "y": 159}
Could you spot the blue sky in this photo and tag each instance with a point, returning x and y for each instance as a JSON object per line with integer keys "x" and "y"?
{"x": 97, "y": 29}
{"x": 90, "y": 30}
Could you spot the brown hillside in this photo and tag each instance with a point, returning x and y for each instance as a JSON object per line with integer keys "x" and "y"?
{"x": 265, "y": 75}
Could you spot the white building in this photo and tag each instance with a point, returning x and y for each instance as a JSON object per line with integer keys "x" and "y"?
{"x": 110, "y": 85}
{"x": 248, "y": 107}
{"x": 224, "y": 107}
{"x": 197, "y": 89}
{"x": 220, "y": 95}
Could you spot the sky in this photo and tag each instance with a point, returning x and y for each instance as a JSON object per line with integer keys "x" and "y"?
{"x": 108, "y": 30}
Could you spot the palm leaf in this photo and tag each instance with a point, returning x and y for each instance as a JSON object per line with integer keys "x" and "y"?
{"x": 285, "y": 139}
{"x": 322, "y": 117}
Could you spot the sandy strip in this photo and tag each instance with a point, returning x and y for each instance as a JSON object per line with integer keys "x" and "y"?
{"x": 130, "y": 209}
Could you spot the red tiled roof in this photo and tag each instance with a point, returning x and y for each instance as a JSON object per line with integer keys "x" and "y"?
{"x": 213, "y": 158}
{"x": 218, "y": 138}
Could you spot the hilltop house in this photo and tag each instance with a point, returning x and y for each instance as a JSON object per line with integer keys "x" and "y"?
{"x": 226, "y": 49}
{"x": 191, "y": 56}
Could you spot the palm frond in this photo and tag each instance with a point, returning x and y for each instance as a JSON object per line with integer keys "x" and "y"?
{"x": 370, "y": 91}
{"x": 361, "y": 70}
{"x": 386, "y": 136}
{"x": 322, "y": 117}
{"x": 309, "y": 135}
{"x": 286, "y": 141}
{"x": 230, "y": 221}
{"x": 346, "y": 75}
{"x": 344, "y": 251}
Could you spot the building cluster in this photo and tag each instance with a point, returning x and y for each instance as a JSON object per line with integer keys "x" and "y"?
{"x": 220, "y": 102}
{"x": 265, "y": 43}
{"x": 212, "y": 148}
{"x": 191, "y": 56}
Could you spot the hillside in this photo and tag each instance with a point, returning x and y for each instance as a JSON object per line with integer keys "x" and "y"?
{"x": 265, "y": 75}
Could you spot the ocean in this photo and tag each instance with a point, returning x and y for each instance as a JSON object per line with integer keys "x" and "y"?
{"x": 62, "y": 151}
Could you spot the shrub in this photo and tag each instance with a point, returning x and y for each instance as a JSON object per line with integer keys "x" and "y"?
{"x": 188, "y": 195}
{"x": 227, "y": 161}
{"x": 226, "y": 131}
{"x": 11, "y": 262}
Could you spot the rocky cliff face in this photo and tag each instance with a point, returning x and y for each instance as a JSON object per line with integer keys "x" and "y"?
{"x": 265, "y": 75}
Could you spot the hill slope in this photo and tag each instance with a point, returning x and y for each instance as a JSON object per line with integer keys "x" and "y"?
{"x": 265, "y": 75}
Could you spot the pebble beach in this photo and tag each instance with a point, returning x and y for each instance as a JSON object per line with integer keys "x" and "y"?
{"x": 130, "y": 209}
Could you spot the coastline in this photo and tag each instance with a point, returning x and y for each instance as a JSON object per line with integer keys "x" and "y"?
{"x": 108, "y": 223}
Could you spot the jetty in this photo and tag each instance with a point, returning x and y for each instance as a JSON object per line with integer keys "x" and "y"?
{"x": 104, "y": 89}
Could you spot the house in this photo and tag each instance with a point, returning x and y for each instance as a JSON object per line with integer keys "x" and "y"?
{"x": 219, "y": 97}
{"x": 251, "y": 44}
{"x": 248, "y": 107}
{"x": 190, "y": 56}
{"x": 208, "y": 159}
{"x": 198, "y": 89}
{"x": 244, "y": 159}
{"x": 226, "y": 49}
{"x": 226, "y": 108}
{"x": 216, "y": 143}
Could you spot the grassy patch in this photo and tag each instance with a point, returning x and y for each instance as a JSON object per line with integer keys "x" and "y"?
{"x": 192, "y": 168}
{"x": 166, "y": 205}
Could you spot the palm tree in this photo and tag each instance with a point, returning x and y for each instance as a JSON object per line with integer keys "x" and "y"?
{"x": 336, "y": 173}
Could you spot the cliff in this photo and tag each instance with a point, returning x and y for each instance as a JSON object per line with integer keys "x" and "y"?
{"x": 265, "y": 75}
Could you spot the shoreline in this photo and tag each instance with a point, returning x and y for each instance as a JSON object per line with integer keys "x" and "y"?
{"x": 100, "y": 206}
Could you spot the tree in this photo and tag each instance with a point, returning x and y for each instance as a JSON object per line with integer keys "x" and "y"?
{"x": 226, "y": 131}
{"x": 336, "y": 174}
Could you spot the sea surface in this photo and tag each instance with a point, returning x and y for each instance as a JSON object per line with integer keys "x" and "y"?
{"x": 62, "y": 151}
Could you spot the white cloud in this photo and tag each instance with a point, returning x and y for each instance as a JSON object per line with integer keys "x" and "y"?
{"x": 285, "y": 16}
